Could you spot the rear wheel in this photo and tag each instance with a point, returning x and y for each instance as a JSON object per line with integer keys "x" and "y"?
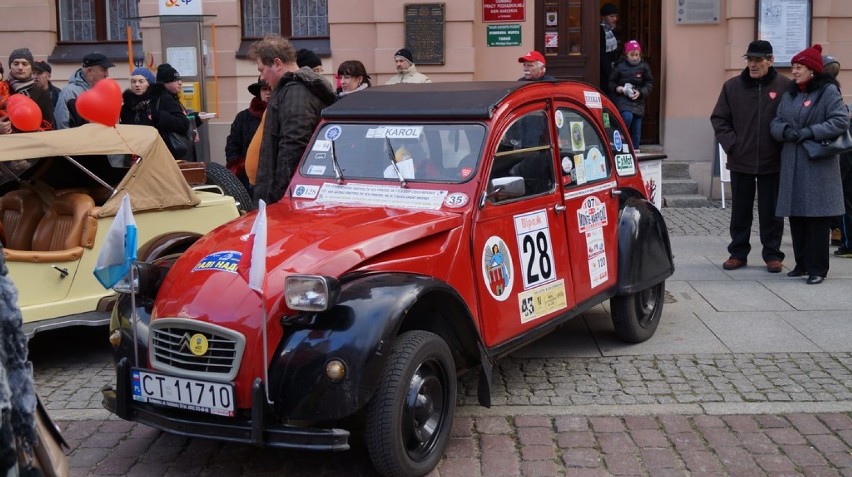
{"x": 408, "y": 420}
{"x": 635, "y": 317}
{"x": 219, "y": 175}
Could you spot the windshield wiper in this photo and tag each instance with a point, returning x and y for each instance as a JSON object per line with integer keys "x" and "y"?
{"x": 338, "y": 173}
{"x": 392, "y": 157}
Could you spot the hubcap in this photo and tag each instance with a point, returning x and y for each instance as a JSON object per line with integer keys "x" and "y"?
{"x": 646, "y": 305}
{"x": 424, "y": 409}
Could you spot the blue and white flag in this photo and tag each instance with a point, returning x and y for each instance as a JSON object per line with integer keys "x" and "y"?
{"x": 119, "y": 249}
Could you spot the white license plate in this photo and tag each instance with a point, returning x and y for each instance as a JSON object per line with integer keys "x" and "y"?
{"x": 183, "y": 393}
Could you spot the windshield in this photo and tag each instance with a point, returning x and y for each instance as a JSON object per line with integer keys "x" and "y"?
{"x": 392, "y": 152}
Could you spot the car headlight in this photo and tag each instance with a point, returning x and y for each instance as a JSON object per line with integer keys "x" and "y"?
{"x": 311, "y": 292}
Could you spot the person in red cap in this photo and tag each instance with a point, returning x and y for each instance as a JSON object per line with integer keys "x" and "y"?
{"x": 535, "y": 67}
{"x": 810, "y": 190}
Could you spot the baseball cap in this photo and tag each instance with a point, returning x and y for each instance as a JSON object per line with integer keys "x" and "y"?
{"x": 97, "y": 59}
{"x": 532, "y": 56}
{"x": 42, "y": 66}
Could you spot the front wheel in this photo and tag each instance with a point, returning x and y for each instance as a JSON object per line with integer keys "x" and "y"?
{"x": 635, "y": 317}
{"x": 219, "y": 175}
{"x": 408, "y": 420}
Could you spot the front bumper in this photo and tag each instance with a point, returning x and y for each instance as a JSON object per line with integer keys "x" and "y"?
{"x": 257, "y": 430}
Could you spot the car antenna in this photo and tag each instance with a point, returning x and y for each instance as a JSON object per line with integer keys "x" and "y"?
{"x": 392, "y": 157}
{"x": 338, "y": 173}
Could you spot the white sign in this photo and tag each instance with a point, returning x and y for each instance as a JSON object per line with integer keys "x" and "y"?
{"x": 180, "y": 7}
{"x": 183, "y": 59}
{"x": 381, "y": 196}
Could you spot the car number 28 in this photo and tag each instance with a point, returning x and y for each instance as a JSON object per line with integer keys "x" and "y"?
{"x": 535, "y": 247}
{"x": 183, "y": 393}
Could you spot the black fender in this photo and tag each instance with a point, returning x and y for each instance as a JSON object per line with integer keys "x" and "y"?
{"x": 359, "y": 331}
{"x": 644, "y": 250}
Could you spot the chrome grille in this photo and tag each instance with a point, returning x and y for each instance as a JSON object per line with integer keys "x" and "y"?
{"x": 169, "y": 349}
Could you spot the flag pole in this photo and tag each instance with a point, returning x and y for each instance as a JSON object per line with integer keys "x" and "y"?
{"x": 134, "y": 316}
{"x": 265, "y": 351}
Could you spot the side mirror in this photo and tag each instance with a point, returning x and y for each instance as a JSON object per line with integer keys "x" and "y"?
{"x": 503, "y": 188}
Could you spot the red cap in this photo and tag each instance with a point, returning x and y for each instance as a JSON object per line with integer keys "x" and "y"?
{"x": 532, "y": 56}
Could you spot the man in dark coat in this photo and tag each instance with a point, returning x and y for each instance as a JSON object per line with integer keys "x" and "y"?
{"x": 243, "y": 129}
{"x": 608, "y": 44}
{"x": 741, "y": 120}
{"x": 293, "y": 112}
{"x": 42, "y": 72}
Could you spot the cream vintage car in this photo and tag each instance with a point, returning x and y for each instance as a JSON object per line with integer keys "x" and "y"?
{"x": 60, "y": 192}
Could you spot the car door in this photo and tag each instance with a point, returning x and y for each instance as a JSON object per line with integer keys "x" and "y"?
{"x": 588, "y": 183}
{"x": 519, "y": 249}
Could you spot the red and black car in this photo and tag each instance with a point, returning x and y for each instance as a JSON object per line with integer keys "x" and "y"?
{"x": 430, "y": 230}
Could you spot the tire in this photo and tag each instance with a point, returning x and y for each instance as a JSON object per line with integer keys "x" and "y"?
{"x": 219, "y": 175}
{"x": 635, "y": 317}
{"x": 409, "y": 418}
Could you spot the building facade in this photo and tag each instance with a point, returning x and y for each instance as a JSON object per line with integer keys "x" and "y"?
{"x": 692, "y": 46}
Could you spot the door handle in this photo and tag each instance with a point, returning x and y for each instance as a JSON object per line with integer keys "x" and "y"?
{"x": 63, "y": 272}
{"x": 558, "y": 209}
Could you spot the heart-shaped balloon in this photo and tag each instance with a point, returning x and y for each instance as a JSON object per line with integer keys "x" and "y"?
{"x": 102, "y": 103}
{"x": 23, "y": 112}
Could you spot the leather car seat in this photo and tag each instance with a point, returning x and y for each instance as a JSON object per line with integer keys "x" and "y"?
{"x": 62, "y": 226}
{"x": 20, "y": 210}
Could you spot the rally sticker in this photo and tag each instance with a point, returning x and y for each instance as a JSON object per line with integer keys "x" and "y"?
{"x": 598, "y": 270}
{"x": 560, "y": 120}
{"x": 456, "y": 200}
{"x": 535, "y": 248}
{"x": 578, "y": 141}
{"x": 306, "y": 191}
{"x": 616, "y": 139}
{"x": 592, "y": 215}
{"x": 595, "y": 164}
{"x": 395, "y": 132}
{"x": 333, "y": 133}
{"x": 593, "y": 99}
{"x": 321, "y": 145}
{"x": 316, "y": 170}
{"x": 624, "y": 165}
{"x": 381, "y": 196}
{"x": 497, "y": 268}
{"x": 219, "y": 261}
{"x": 542, "y": 301}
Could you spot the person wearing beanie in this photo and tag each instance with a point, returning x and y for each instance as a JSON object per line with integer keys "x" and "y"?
{"x": 299, "y": 96}
{"x": 243, "y": 129}
{"x": 608, "y": 44}
{"x": 136, "y": 102}
{"x": 306, "y": 58}
{"x": 94, "y": 68}
{"x": 22, "y": 81}
{"x": 740, "y": 119}
{"x": 632, "y": 82}
{"x": 810, "y": 191}
{"x": 406, "y": 72}
{"x": 42, "y": 73}
{"x": 535, "y": 67}
{"x": 167, "y": 114}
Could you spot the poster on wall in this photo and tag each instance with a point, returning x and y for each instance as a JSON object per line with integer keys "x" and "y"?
{"x": 786, "y": 24}
{"x": 697, "y": 12}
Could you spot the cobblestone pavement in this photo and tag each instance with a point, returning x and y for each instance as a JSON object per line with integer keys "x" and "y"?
{"x": 773, "y": 414}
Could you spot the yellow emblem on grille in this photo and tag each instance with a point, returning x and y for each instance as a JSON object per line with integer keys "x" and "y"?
{"x": 198, "y": 344}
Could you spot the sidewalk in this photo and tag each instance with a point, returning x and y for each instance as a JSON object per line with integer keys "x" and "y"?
{"x": 750, "y": 373}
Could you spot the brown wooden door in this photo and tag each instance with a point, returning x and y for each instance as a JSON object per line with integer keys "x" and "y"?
{"x": 568, "y": 33}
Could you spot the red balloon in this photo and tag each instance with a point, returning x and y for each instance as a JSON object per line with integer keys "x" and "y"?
{"x": 23, "y": 112}
{"x": 102, "y": 103}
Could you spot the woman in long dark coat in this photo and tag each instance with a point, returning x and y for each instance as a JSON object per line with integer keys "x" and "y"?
{"x": 810, "y": 192}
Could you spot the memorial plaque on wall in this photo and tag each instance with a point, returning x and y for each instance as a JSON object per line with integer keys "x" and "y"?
{"x": 424, "y": 32}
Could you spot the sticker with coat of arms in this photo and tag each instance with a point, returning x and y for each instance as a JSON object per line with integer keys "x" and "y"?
{"x": 497, "y": 268}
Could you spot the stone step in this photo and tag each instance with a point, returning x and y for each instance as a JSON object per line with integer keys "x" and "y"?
{"x": 679, "y": 186}
{"x": 675, "y": 169}
{"x": 685, "y": 201}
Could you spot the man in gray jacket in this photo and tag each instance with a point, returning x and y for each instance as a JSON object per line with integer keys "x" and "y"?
{"x": 95, "y": 68}
{"x": 745, "y": 107}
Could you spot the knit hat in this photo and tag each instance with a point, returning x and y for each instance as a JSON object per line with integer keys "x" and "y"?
{"x": 42, "y": 66}
{"x": 758, "y": 49}
{"x": 144, "y": 72}
{"x": 811, "y": 58}
{"x": 828, "y": 59}
{"x": 608, "y": 9}
{"x": 532, "y": 56}
{"x": 404, "y": 54}
{"x": 166, "y": 73}
{"x": 21, "y": 53}
{"x": 305, "y": 57}
{"x": 632, "y": 45}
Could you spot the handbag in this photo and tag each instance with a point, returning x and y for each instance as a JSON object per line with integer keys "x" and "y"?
{"x": 48, "y": 456}
{"x": 828, "y": 147}
{"x": 179, "y": 144}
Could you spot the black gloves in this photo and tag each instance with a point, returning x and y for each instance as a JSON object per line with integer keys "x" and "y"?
{"x": 805, "y": 134}
{"x": 791, "y": 135}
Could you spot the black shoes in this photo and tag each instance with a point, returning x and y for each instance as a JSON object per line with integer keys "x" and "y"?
{"x": 815, "y": 280}
{"x": 796, "y": 272}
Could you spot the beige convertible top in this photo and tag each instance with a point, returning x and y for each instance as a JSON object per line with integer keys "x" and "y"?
{"x": 154, "y": 183}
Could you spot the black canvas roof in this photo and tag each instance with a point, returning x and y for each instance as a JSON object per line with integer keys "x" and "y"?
{"x": 468, "y": 99}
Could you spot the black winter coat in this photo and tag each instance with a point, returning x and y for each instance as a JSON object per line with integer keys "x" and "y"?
{"x": 242, "y": 131}
{"x": 136, "y": 109}
{"x": 741, "y": 121}
{"x": 167, "y": 114}
{"x": 639, "y": 76}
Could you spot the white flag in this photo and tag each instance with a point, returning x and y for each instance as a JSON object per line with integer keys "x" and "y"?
{"x": 255, "y": 257}
{"x": 119, "y": 249}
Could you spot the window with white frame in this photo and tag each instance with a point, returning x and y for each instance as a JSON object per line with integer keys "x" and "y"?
{"x": 289, "y": 18}
{"x": 97, "y": 20}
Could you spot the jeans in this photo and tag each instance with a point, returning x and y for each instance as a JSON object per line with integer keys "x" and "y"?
{"x": 634, "y": 125}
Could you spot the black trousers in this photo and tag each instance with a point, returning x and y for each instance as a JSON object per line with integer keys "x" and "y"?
{"x": 743, "y": 188}
{"x": 811, "y": 238}
{"x": 846, "y": 218}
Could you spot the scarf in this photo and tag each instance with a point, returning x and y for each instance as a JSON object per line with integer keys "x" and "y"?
{"x": 21, "y": 86}
{"x": 609, "y": 36}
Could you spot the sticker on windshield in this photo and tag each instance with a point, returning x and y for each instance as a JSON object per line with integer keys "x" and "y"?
{"x": 595, "y": 164}
{"x": 395, "y": 132}
{"x": 578, "y": 141}
{"x": 560, "y": 120}
{"x": 333, "y": 133}
{"x": 456, "y": 200}
{"x": 542, "y": 301}
{"x": 381, "y": 196}
{"x": 497, "y": 268}
{"x": 624, "y": 164}
{"x": 593, "y": 99}
{"x": 315, "y": 170}
{"x": 616, "y": 140}
{"x": 219, "y": 262}
{"x": 321, "y": 145}
{"x": 535, "y": 248}
{"x": 306, "y": 191}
